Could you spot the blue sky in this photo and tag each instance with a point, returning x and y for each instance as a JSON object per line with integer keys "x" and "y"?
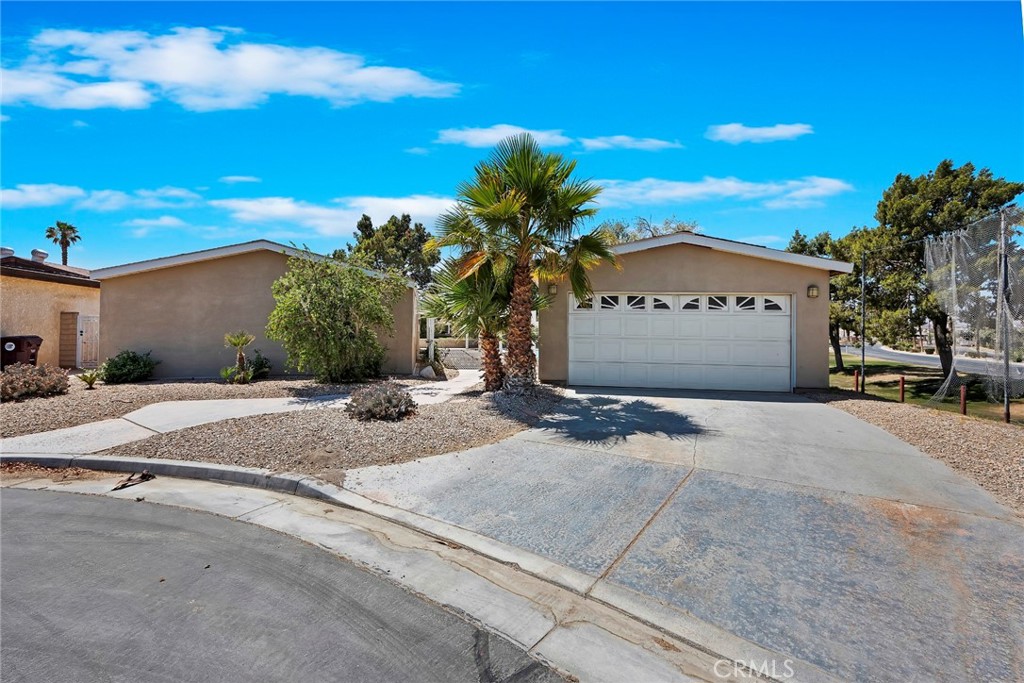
{"x": 158, "y": 128}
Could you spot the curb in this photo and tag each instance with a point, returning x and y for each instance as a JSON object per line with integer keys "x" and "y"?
{"x": 696, "y": 633}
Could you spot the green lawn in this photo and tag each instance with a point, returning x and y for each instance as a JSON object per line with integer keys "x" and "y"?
{"x": 883, "y": 380}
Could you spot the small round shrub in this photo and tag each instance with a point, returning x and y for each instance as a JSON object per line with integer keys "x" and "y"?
{"x": 384, "y": 401}
{"x": 258, "y": 365}
{"x": 128, "y": 366}
{"x": 19, "y": 381}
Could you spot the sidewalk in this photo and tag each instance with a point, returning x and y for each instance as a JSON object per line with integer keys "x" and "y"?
{"x": 579, "y": 636}
{"x": 169, "y": 416}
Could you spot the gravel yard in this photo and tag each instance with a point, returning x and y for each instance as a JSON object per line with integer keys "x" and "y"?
{"x": 326, "y": 442}
{"x": 991, "y": 453}
{"x": 80, "y": 406}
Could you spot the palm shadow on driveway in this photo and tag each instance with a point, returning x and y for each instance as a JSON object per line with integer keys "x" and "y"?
{"x": 609, "y": 421}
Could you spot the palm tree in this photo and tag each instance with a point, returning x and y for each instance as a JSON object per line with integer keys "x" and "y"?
{"x": 521, "y": 212}
{"x": 65, "y": 235}
{"x": 238, "y": 341}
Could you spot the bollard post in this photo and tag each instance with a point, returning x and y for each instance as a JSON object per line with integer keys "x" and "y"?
{"x": 856, "y": 380}
{"x": 903, "y": 386}
{"x": 963, "y": 399}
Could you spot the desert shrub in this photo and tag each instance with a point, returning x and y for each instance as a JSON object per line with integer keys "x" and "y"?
{"x": 258, "y": 365}
{"x": 232, "y": 375}
{"x": 384, "y": 401}
{"x": 328, "y": 316}
{"x": 90, "y": 377}
{"x": 20, "y": 381}
{"x": 127, "y": 367}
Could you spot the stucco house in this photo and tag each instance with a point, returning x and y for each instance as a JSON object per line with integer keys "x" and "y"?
{"x": 689, "y": 311}
{"x": 59, "y": 303}
{"x": 179, "y": 307}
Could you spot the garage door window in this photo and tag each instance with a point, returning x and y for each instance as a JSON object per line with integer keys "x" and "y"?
{"x": 718, "y": 303}
{"x": 775, "y": 304}
{"x": 689, "y": 303}
{"x": 585, "y": 305}
{"x": 660, "y": 303}
{"x": 636, "y": 302}
{"x": 609, "y": 303}
{"x": 746, "y": 303}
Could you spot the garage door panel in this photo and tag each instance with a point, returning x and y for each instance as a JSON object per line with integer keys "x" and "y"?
{"x": 693, "y": 349}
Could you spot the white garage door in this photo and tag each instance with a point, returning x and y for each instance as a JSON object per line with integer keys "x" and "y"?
{"x": 681, "y": 341}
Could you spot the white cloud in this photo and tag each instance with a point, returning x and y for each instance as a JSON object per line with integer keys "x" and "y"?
{"x": 4, "y": 118}
{"x": 144, "y": 226}
{"x": 627, "y": 142}
{"x": 338, "y": 218}
{"x": 488, "y": 137}
{"x": 421, "y": 151}
{"x": 735, "y": 133}
{"x": 78, "y": 123}
{"x": 115, "y": 200}
{"x": 232, "y": 179}
{"x": 48, "y": 194}
{"x": 797, "y": 193}
{"x": 201, "y": 69}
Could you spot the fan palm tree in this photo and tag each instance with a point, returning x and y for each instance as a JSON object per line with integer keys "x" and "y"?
{"x": 65, "y": 235}
{"x": 521, "y": 212}
{"x": 238, "y": 341}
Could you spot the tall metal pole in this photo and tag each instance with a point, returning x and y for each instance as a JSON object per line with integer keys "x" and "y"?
{"x": 1003, "y": 315}
{"x": 863, "y": 318}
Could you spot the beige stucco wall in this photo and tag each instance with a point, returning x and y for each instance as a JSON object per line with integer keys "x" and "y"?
{"x": 34, "y": 307}
{"x": 182, "y": 313}
{"x": 688, "y": 268}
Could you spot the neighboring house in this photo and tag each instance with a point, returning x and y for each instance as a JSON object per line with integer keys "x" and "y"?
{"x": 180, "y": 307}
{"x": 59, "y": 303}
{"x": 689, "y": 311}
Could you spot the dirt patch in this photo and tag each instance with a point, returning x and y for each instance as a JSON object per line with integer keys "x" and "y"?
{"x": 81, "y": 406}
{"x": 327, "y": 441}
{"x": 24, "y": 470}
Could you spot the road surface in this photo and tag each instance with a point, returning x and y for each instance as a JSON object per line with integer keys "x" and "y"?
{"x": 972, "y": 365}
{"x": 114, "y": 590}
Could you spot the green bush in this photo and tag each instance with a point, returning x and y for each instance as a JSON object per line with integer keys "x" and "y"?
{"x": 89, "y": 377}
{"x": 258, "y": 365}
{"x": 328, "y": 316}
{"x": 384, "y": 401}
{"x": 20, "y": 381}
{"x": 127, "y": 367}
{"x": 231, "y": 375}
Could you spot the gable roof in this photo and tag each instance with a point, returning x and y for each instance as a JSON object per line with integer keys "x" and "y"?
{"x": 210, "y": 255}
{"x": 15, "y": 266}
{"x": 732, "y": 247}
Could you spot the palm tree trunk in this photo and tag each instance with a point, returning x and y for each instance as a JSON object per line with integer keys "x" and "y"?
{"x": 64, "y": 253}
{"x": 490, "y": 357}
{"x": 520, "y": 361}
{"x": 240, "y": 360}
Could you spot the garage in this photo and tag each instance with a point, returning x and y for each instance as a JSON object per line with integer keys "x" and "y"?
{"x": 681, "y": 341}
{"x": 690, "y": 311}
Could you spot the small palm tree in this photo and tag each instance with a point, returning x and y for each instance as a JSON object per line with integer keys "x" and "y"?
{"x": 522, "y": 212}
{"x": 238, "y": 341}
{"x": 65, "y": 235}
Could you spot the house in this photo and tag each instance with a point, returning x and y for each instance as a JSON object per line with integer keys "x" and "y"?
{"x": 180, "y": 307}
{"x": 59, "y": 303}
{"x": 688, "y": 311}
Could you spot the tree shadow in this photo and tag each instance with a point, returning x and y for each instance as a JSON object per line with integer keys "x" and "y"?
{"x": 607, "y": 421}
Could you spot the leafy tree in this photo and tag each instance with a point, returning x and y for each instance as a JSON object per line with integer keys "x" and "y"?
{"x": 396, "y": 245}
{"x": 238, "y": 341}
{"x": 912, "y": 209}
{"x": 522, "y": 211}
{"x": 642, "y": 228}
{"x": 65, "y": 235}
{"x": 328, "y": 317}
{"x": 844, "y": 290}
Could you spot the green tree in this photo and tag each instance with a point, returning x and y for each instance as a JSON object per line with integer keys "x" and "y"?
{"x": 238, "y": 341}
{"x": 912, "y": 209}
{"x": 642, "y": 228}
{"x": 398, "y": 245}
{"x": 329, "y": 315}
{"x": 523, "y": 210}
{"x": 63, "y": 234}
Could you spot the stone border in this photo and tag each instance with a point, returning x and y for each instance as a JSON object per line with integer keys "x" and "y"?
{"x": 696, "y": 633}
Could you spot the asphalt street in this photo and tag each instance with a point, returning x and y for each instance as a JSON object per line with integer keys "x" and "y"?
{"x": 118, "y": 590}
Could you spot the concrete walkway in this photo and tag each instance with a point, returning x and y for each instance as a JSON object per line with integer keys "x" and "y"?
{"x": 745, "y": 519}
{"x": 170, "y": 416}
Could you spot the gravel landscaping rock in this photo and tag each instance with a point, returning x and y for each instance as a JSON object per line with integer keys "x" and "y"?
{"x": 991, "y": 453}
{"x": 80, "y": 406}
{"x": 325, "y": 442}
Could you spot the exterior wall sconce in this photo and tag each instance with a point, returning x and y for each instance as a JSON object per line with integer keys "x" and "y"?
{"x": 812, "y": 291}
{"x": 552, "y": 289}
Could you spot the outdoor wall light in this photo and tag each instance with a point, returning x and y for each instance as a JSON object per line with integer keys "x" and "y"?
{"x": 552, "y": 289}
{"x": 812, "y": 291}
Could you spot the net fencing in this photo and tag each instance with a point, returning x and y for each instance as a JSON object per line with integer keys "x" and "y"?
{"x": 977, "y": 275}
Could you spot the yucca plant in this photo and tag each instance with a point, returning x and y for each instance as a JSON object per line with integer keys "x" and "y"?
{"x": 89, "y": 377}
{"x": 238, "y": 341}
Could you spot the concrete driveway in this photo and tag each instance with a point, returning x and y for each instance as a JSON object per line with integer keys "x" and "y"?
{"x": 790, "y": 524}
